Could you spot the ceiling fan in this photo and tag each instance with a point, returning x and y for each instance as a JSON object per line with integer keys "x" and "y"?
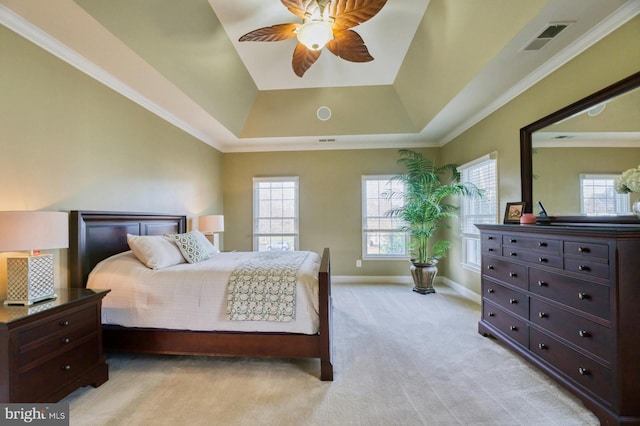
{"x": 324, "y": 23}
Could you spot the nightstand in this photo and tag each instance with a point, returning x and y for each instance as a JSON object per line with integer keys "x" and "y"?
{"x": 51, "y": 348}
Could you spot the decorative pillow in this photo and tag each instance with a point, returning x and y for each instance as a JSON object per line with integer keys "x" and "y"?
{"x": 192, "y": 247}
{"x": 211, "y": 248}
{"x": 155, "y": 251}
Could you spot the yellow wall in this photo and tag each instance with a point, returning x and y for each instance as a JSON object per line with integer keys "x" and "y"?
{"x": 613, "y": 58}
{"x": 68, "y": 142}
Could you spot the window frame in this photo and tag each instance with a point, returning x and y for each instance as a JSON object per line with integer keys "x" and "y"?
{"x": 472, "y": 235}
{"x": 364, "y": 230}
{"x": 256, "y": 210}
{"x": 620, "y": 199}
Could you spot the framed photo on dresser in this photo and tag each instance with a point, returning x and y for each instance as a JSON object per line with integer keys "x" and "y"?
{"x": 514, "y": 212}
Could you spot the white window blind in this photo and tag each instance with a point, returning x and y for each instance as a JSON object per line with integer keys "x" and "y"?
{"x": 275, "y": 214}
{"x": 599, "y": 197}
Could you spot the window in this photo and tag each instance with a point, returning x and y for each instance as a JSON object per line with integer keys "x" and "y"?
{"x": 482, "y": 173}
{"x": 381, "y": 237}
{"x": 275, "y": 213}
{"x": 599, "y": 197}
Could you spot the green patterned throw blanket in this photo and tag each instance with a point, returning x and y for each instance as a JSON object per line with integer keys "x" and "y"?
{"x": 264, "y": 289}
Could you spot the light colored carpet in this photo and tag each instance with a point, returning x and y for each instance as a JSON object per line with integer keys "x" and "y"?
{"x": 400, "y": 358}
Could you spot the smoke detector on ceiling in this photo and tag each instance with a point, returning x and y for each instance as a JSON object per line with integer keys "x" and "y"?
{"x": 548, "y": 33}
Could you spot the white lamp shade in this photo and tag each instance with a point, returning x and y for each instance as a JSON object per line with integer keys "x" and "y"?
{"x": 211, "y": 223}
{"x": 33, "y": 230}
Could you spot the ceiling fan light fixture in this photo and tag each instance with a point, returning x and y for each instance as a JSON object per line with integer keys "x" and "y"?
{"x": 315, "y": 34}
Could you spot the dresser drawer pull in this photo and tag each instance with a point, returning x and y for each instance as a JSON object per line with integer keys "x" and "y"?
{"x": 513, "y": 240}
{"x": 513, "y": 275}
{"x": 542, "y": 346}
{"x": 543, "y": 315}
{"x": 583, "y": 268}
{"x": 542, "y": 284}
{"x": 513, "y": 254}
{"x": 542, "y": 244}
{"x": 491, "y": 314}
{"x": 583, "y": 333}
{"x": 513, "y": 301}
{"x": 489, "y": 238}
{"x": 64, "y": 323}
{"x": 513, "y": 328}
{"x": 491, "y": 250}
{"x": 66, "y": 367}
{"x": 583, "y": 371}
{"x": 583, "y": 249}
{"x": 65, "y": 340}
{"x": 583, "y": 296}
{"x": 490, "y": 290}
{"x": 542, "y": 259}
{"x": 490, "y": 267}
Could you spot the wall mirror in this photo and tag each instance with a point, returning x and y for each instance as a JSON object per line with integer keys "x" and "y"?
{"x": 570, "y": 156}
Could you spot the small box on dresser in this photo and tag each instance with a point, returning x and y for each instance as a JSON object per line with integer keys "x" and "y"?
{"x": 49, "y": 349}
{"x": 567, "y": 298}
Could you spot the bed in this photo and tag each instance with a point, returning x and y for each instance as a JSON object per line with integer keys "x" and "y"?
{"x": 96, "y": 235}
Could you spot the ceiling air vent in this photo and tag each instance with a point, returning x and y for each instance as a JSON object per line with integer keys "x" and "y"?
{"x": 546, "y": 36}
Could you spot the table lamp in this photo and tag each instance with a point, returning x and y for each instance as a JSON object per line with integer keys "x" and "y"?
{"x": 30, "y": 276}
{"x": 211, "y": 225}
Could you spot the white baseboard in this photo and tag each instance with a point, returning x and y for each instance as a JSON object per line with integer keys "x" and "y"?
{"x": 354, "y": 279}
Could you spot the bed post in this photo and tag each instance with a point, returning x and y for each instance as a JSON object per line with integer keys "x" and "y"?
{"x": 324, "y": 280}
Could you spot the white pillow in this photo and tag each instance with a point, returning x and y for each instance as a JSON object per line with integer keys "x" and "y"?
{"x": 192, "y": 247}
{"x": 155, "y": 251}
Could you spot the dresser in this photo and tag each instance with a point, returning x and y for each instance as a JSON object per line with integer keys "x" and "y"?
{"x": 51, "y": 348}
{"x": 567, "y": 298}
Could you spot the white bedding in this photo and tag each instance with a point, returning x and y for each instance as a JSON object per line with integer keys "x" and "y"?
{"x": 192, "y": 296}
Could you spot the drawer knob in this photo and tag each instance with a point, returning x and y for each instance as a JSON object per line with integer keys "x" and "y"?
{"x": 542, "y": 244}
{"x": 513, "y": 301}
{"x": 583, "y": 296}
{"x": 542, "y": 315}
{"x": 65, "y": 340}
{"x": 491, "y": 314}
{"x": 489, "y": 238}
{"x": 513, "y": 254}
{"x": 583, "y": 249}
{"x": 583, "y": 333}
{"x": 542, "y": 346}
{"x": 490, "y": 290}
{"x": 513, "y": 274}
{"x": 513, "y": 240}
{"x": 583, "y": 371}
{"x": 490, "y": 267}
{"x": 513, "y": 328}
{"x": 583, "y": 268}
{"x": 542, "y": 283}
{"x": 490, "y": 250}
{"x": 66, "y": 367}
{"x": 542, "y": 259}
{"x": 64, "y": 323}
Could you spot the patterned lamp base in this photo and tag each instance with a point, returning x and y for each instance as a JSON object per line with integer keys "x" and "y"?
{"x": 29, "y": 279}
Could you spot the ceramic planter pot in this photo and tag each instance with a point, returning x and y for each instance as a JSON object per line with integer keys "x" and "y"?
{"x": 423, "y": 275}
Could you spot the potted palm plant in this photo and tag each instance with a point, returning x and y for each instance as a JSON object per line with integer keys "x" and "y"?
{"x": 427, "y": 189}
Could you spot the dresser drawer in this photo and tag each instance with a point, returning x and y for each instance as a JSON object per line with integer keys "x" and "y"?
{"x": 542, "y": 244}
{"x": 38, "y": 382}
{"x": 594, "y": 250}
{"x": 584, "y": 371}
{"x": 56, "y": 324}
{"x": 511, "y": 300}
{"x": 491, "y": 239}
{"x": 583, "y": 295}
{"x": 505, "y": 271}
{"x": 587, "y": 267}
{"x": 532, "y": 257}
{"x": 590, "y": 336}
{"x": 509, "y": 325}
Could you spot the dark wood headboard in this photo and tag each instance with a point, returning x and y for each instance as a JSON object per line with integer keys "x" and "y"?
{"x": 96, "y": 235}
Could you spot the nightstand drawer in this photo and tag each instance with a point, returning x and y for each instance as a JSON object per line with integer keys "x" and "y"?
{"x": 584, "y": 371}
{"x": 38, "y": 382}
{"x": 59, "y": 342}
{"x": 37, "y": 335}
{"x": 590, "y": 336}
{"x": 508, "y": 324}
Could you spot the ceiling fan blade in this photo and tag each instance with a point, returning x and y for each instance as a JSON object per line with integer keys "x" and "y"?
{"x": 348, "y": 45}
{"x": 349, "y": 13}
{"x": 303, "y": 58}
{"x": 300, "y": 7}
{"x": 273, "y": 33}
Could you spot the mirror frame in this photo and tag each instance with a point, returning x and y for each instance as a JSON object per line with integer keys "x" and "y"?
{"x": 526, "y": 154}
